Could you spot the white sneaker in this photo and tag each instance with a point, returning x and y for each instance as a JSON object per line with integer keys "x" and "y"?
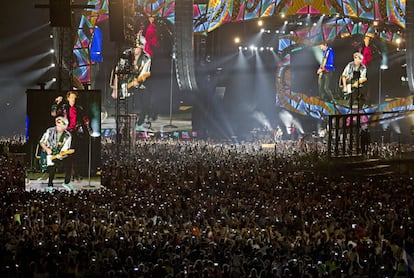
{"x": 68, "y": 186}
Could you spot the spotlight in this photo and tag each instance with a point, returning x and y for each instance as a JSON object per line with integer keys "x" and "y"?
{"x": 52, "y": 65}
{"x": 52, "y": 51}
{"x": 49, "y": 83}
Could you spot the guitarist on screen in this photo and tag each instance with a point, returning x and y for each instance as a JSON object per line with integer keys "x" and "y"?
{"x": 55, "y": 143}
{"x": 141, "y": 65}
{"x": 353, "y": 79}
{"x": 135, "y": 76}
{"x": 325, "y": 72}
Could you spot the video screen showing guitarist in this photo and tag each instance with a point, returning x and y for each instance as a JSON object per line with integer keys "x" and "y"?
{"x": 55, "y": 146}
{"x": 141, "y": 71}
{"x": 133, "y": 83}
{"x": 325, "y": 72}
{"x": 353, "y": 79}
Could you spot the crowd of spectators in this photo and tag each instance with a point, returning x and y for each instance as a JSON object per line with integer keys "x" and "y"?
{"x": 209, "y": 209}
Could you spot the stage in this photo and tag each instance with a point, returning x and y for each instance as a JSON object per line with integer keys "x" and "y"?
{"x": 179, "y": 122}
{"x": 39, "y": 183}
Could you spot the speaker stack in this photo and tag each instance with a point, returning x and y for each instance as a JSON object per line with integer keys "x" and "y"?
{"x": 60, "y": 13}
{"x": 116, "y": 20}
{"x": 184, "y": 45}
{"x": 409, "y": 32}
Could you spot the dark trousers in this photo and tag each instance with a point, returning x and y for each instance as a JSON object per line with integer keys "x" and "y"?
{"x": 324, "y": 85}
{"x": 143, "y": 102}
{"x": 51, "y": 170}
{"x": 76, "y": 164}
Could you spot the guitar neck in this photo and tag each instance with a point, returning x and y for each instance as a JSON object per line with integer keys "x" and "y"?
{"x": 138, "y": 79}
{"x": 325, "y": 59}
{"x": 63, "y": 153}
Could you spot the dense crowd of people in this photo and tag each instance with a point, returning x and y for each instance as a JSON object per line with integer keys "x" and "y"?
{"x": 208, "y": 209}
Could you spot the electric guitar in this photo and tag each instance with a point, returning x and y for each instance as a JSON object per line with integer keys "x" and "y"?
{"x": 350, "y": 88}
{"x": 322, "y": 67}
{"x": 47, "y": 159}
{"x": 138, "y": 80}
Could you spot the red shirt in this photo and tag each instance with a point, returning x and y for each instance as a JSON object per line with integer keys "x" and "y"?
{"x": 151, "y": 38}
{"x": 367, "y": 53}
{"x": 72, "y": 118}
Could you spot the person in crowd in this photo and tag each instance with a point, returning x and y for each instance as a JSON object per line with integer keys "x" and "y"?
{"x": 78, "y": 126}
{"x": 204, "y": 208}
{"x": 354, "y": 77}
{"x": 55, "y": 143}
{"x": 325, "y": 72}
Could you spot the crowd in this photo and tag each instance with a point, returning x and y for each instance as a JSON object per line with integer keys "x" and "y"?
{"x": 209, "y": 209}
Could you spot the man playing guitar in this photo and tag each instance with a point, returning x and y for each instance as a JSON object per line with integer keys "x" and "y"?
{"x": 353, "y": 77}
{"x": 325, "y": 72}
{"x": 56, "y": 141}
{"x": 141, "y": 71}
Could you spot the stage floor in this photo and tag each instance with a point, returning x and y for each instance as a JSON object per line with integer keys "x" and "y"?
{"x": 163, "y": 123}
{"x": 40, "y": 184}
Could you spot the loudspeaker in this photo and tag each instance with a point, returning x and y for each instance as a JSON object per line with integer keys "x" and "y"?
{"x": 409, "y": 41}
{"x": 184, "y": 45}
{"x": 60, "y": 13}
{"x": 116, "y": 20}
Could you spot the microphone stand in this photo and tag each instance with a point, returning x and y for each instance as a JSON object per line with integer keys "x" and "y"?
{"x": 89, "y": 160}
{"x": 358, "y": 123}
{"x": 355, "y": 78}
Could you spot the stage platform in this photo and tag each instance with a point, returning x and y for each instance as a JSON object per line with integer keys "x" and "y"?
{"x": 40, "y": 184}
{"x": 163, "y": 123}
